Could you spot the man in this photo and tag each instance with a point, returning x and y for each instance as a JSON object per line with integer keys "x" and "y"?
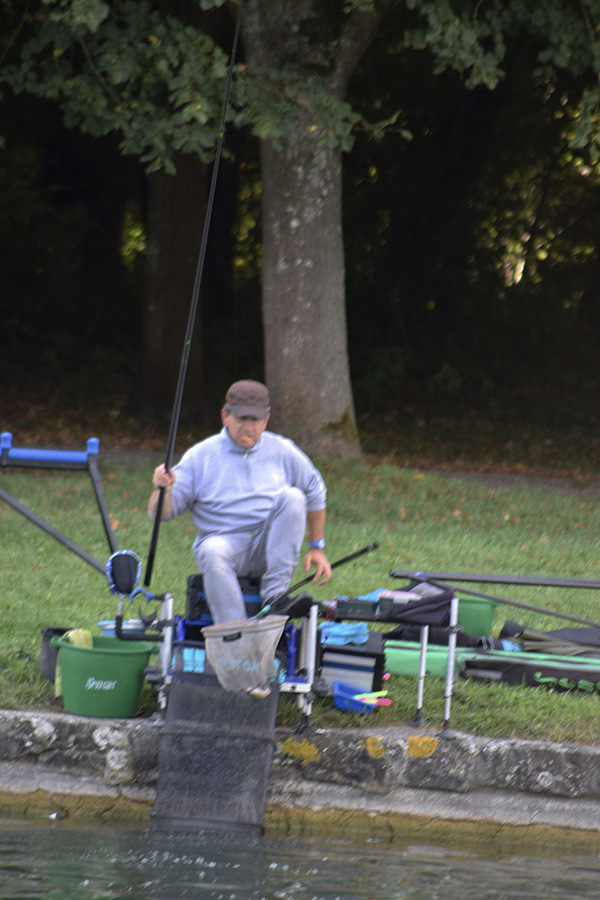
{"x": 251, "y": 494}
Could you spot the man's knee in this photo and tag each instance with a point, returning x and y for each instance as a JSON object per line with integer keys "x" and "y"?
{"x": 214, "y": 553}
{"x": 292, "y": 500}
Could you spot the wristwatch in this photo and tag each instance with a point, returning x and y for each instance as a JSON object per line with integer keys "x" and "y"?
{"x": 318, "y": 545}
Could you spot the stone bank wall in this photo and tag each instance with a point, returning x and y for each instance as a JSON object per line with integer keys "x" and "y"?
{"x": 106, "y": 763}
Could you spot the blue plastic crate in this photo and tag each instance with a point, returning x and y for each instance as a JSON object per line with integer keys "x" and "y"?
{"x": 345, "y": 697}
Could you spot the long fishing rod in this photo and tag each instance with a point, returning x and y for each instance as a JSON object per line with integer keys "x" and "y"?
{"x": 338, "y": 562}
{"x": 193, "y": 309}
{"x": 429, "y": 579}
{"x": 531, "y": 580}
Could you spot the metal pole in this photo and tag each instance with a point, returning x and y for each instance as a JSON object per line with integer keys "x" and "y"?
{"x": 418, "y": 719}
{"x": 339, "y": 562}
{"x": 104, "y": 514}
{"x": 266, "y": 609}
{"x": 49, "y": 529}
{"x": 451, "y": 658}
{"x": 531, "y": 580}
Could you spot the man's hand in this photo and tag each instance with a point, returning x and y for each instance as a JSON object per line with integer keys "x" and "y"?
{"x": 162, "y": 478}
{"x": 318, "y": 559}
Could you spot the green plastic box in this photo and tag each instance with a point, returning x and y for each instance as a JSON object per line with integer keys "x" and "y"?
{"x": 476, "y": 615}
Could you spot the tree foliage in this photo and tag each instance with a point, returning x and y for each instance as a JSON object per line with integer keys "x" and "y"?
{"x": 128, "y": 68}
{"x": 157, "y": 79}
{"x": 472, "y": 249}
{"x": 483, "y": 225}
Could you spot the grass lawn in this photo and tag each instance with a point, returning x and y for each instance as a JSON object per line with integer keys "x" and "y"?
{"x": 420, "y": 520}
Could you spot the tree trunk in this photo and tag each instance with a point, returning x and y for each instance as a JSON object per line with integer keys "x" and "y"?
{"x": 303, "y": 272}
{"x": 303, "y": 289}
{"x": 176, "y": 213}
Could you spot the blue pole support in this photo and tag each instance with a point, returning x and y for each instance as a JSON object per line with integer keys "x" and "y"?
{"x": 73, "y": 460}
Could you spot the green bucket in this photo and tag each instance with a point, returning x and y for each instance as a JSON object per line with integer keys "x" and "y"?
{"x": 476, "y": 615}
{"x": 105, "y": 680}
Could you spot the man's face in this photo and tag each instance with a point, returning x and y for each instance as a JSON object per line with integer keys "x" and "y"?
{"x": 244, "y": 431}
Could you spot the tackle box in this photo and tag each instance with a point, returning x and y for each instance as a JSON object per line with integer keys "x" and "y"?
{"x": 358, "y": 665}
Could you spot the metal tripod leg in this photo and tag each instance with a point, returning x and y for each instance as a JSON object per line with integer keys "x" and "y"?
{"x": 419, "y": 720}
{"x": 451, "y": 662}
{"x": 302, "y": 685}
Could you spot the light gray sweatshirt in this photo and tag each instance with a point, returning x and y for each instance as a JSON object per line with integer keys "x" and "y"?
{"x": 230, "y": 489}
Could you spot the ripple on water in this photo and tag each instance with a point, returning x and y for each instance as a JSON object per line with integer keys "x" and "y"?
{"x": 58, "y": 862}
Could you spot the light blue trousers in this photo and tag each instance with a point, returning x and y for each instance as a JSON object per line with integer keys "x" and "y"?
{"x": 269, "y": 555}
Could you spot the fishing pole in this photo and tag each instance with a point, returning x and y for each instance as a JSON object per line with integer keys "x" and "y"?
{"x": 339, "y": 562}
{"x": 193, "y": 309}
{"x": 530, "y": 580}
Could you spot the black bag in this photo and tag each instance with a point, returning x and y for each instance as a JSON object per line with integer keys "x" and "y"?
{"x": 196, "y": 603}
{"x": 432, "y": 609}
{"x": 575, "y": 676}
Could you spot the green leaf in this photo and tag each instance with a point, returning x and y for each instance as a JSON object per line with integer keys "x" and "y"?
{"x": 87, "y": 15}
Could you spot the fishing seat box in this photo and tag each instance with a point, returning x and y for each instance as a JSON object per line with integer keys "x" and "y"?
{"x": 189, "y": 645}
{"x": 197, "y": 613}
{"x": 359, "y": 665}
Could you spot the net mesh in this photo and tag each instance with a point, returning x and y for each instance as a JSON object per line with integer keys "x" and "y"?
{"x": 215, "y": 757}
{"x": 242, "y": 654}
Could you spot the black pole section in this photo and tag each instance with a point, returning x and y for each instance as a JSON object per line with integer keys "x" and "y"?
{"x": 49, "y": 529}
{"x": 96, "y": 483}
{"x": 530, "y": 580}
{"x": 339, "y": 562}
{"x": 193, "y": 308}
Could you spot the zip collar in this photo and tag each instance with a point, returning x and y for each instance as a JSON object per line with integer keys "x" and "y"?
{"x": 233, "y": 447}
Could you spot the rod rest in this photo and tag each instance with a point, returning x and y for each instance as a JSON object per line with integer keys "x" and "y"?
{"x": 46, "y": 459}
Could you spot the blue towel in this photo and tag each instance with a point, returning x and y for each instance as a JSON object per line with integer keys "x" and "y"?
{"x": 344, "y": 633}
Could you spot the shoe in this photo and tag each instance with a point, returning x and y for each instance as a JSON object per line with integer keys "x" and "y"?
{"x": 293, "y": 607}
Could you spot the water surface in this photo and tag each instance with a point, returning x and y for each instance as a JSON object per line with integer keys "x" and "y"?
{"x": 59, "y": 862}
